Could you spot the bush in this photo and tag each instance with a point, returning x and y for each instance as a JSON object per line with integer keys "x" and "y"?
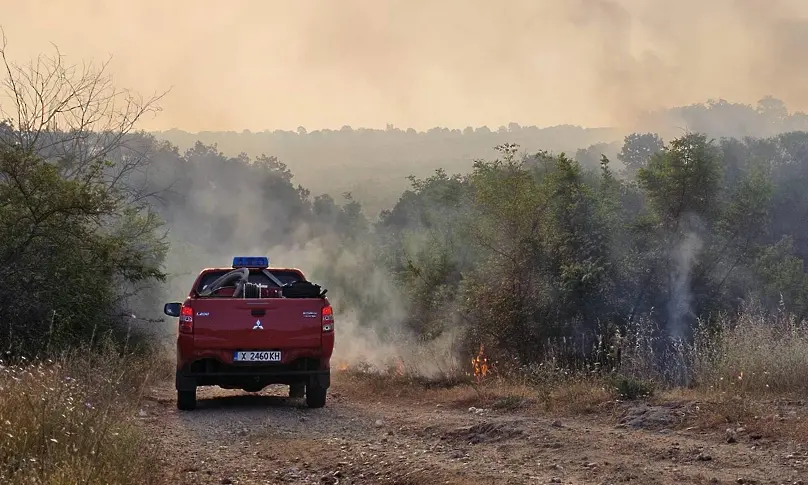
{"x": 67, "y": 250}
{"x": 630, "y": 388}
{"x": 73, "y": 420}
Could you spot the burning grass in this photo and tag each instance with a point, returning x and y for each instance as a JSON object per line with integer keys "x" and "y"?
{"x": 72, "y": 420}
{"x": 479, "y": 364}
{"x": 479, "y": 385}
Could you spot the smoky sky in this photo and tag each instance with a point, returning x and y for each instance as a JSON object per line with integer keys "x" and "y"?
{"x": 269, "y": 64}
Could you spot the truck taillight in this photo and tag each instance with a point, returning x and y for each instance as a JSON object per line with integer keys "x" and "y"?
{"x": 187, "y": 320}
{"x": 328, "y": 319}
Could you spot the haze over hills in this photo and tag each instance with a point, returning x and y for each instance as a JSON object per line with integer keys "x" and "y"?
{"x": 246, "y": 76}
{"x": 373, "y": 165}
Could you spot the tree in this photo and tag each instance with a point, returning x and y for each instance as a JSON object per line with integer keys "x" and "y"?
{"x": 64, "y": 266}
{"x": 773, "y": 110}
{"x": 683, "y": 186}
{"x": 76, "y": 214}
{"x": 638, "y": 148}
{"x": 75, "y": 116}
{"x": 590, "y": 158}
{"x": 685, "y": 179}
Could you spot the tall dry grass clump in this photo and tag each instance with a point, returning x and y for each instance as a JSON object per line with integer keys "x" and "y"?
{"x": 72, "y": 420}
{"x": 757, "y": 353}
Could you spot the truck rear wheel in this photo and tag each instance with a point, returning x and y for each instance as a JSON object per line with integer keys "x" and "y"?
{"x": 186, "y": 400}
{"x": 315, "y": 395}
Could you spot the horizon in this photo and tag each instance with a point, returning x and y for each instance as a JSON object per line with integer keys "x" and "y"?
{"x": 391, "y": 127}
{"x": 374, "y": 128}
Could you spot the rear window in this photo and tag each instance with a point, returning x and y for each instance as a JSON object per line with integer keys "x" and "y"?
{"x": 256, "y": 276}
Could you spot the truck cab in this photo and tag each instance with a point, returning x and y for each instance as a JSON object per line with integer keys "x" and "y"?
{"x": 249, "y": 326}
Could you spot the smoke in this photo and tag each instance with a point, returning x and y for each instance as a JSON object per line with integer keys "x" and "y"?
{"x": 680, "y": 310}
{"x": 369, "y": 310}
{"x": 266, "y": 64}
{"x": 350, "y": 273}
{"x": 680, "y": 303}
{"x": 370, "y": 314}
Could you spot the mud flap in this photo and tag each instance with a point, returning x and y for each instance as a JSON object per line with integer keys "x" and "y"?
{"x": 322, "y": 379}
{"x": 183, "y": 383}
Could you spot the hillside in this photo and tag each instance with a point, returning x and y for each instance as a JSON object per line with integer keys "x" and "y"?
{"x": 373, "y": 164}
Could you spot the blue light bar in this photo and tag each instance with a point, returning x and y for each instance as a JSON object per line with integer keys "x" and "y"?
{"x": 250, "y": 262}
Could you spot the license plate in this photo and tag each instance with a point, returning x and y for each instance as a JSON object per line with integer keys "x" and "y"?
{"x": 257, "y": 356}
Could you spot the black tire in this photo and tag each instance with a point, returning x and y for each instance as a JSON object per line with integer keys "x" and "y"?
{"x": 315, "y": 395}
{"x": 297, "y": 390}
{"x": 186, "y": 400}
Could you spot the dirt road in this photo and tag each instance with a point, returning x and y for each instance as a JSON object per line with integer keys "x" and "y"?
{"x": 237, "y": 438}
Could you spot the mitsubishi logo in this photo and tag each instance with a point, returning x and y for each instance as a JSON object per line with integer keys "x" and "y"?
{"x": 258, "y": 325}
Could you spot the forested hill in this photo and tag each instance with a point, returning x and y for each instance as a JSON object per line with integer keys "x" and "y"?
{"x": 362, "y": 160}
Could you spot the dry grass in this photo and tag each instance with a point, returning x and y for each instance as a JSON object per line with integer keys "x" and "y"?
{"x": 741, "y": 374}
{"x": 567, "y": 394}
{"x": 73, "y": 420}
{"x": 398, "y": 383}
{"x": 750, "y": 374}
{"x": 758, "y": 418}
{"x": 760, "y": 355}
{"x": 578, "y": 396}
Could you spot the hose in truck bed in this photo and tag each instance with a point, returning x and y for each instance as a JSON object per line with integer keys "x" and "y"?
{"x": 240, "y": 275}
{"x": 240, "y": 279}
{"x": 252, "y": 290}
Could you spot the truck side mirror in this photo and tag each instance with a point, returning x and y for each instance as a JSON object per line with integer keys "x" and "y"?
{"x": 172, "y": 309}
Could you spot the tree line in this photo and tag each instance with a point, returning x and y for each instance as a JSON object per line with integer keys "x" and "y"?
{"x": 360, "y": 160}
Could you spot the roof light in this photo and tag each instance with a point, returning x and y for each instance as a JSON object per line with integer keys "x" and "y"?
{"x": 250, "y": 262}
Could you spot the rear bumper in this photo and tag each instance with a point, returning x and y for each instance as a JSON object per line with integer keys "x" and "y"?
{"x": 188, "y": 355}
{"x": 257, "y": 373}
{"x": 209, "y": 371}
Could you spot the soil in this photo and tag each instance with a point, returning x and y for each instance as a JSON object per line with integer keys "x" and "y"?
{"x": 363, "y": 438}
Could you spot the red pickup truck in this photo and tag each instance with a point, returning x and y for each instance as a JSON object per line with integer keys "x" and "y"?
{"x": 251, "y": 326}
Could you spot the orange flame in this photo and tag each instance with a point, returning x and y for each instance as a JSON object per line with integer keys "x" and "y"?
{"x": 400, "y": 370}
{"x": 342, "y": 366}
{"x": 480, "y": 364}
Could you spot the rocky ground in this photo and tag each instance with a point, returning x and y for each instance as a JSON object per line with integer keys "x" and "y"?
{"x": 362, "y": 437}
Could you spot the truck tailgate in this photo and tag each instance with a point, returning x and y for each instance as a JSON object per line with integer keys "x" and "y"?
{"x": 257, "y": 324}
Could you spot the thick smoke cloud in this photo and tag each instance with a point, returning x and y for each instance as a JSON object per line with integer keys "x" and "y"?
{"x": 261, "y": 64}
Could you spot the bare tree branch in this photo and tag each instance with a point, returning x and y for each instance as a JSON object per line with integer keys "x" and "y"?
{"x": 73, "y": 115}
